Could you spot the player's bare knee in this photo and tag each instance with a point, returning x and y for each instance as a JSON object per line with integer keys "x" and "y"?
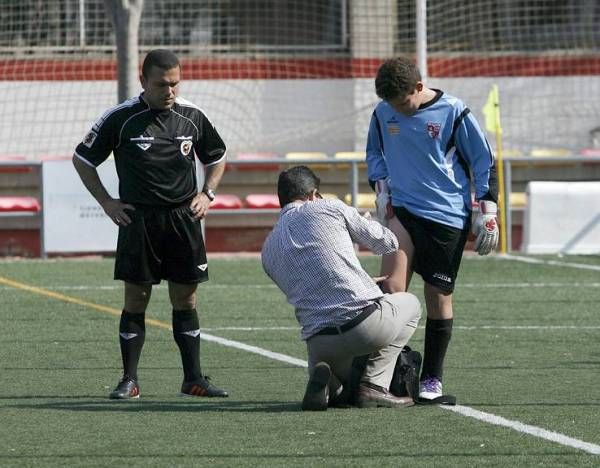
{"x": 137, "y": 297}
{"x": 392, "y": 285}
{"x": 184, "y": 304}
{"x": 182, "y": 296}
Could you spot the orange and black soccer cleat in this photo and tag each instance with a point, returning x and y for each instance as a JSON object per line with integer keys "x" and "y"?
{"x": 126, "y": 389}
{"x": 202, "y": 387}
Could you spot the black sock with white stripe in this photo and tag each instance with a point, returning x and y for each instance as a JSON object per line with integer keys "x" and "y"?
{"x": 186, "y": 331}
{"x": 132, "y": 332}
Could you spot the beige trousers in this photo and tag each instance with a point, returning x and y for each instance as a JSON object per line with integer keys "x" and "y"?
{"x": 382, "y": 336}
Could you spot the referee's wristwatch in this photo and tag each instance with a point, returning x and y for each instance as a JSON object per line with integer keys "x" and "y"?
{"x": 209, "y": 193}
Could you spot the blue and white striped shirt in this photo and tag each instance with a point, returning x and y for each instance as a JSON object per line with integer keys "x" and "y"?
{"x": 310, "y": 255}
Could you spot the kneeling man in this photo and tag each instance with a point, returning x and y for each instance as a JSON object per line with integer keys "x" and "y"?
{"x": 310, "y": 255}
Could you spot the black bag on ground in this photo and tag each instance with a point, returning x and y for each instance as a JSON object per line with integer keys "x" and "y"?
{"x": 405, "y": 381}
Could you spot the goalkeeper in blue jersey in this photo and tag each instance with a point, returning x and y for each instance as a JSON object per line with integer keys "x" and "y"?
{"x": 425, "y": 155}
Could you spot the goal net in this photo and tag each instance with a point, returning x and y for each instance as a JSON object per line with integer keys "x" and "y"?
{"x": 297, "y": 75}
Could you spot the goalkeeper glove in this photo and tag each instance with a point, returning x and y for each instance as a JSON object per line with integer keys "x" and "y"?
{"x": 383, "y": 204}
{"x": 485, "y": 227}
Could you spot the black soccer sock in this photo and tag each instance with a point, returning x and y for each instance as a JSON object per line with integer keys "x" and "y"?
{"x": 186, "y": 331}
{"x": 437, "y": 338}
{"x": 132, "y": 332}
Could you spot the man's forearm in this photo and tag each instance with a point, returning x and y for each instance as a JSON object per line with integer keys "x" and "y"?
{"x": 91, "y": 181}
{"x": 213, "y": 175}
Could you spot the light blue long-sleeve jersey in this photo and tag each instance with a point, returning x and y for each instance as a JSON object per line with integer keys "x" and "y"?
{"x": 428, "y": 157}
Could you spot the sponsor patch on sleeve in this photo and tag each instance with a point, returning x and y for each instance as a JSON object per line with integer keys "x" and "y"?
{"x": 90, "y": 138}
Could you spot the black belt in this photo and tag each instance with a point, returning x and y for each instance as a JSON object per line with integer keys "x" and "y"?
{"x": 350, "y": 324}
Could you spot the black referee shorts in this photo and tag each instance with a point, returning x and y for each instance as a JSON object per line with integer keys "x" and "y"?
{"x": 438, "y": 248}
{"x": 161, "y": 243}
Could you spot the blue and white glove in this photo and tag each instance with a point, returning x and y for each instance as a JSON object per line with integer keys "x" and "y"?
{"x": 383, "y": 204}
{"x": 485, "y": 227}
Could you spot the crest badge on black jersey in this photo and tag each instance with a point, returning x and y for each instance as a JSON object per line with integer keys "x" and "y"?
{"x": 185, "y": 147}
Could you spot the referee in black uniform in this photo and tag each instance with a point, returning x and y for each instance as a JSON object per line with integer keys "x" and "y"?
{"x": 155, "y": 138}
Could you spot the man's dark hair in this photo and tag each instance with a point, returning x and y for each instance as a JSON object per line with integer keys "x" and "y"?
{"x": 396, "y": 77}
{"x": 296, "y": 183}
{"x": 161, "y": 58}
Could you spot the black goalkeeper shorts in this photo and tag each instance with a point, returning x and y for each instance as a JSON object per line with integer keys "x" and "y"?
{"x": 161, "y": 243}
{"x": 438, "y": 248}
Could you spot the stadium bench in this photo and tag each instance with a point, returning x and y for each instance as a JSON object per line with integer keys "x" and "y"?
{"x": 19, "y": 226}
{"x": 365, "y": 201}
{"x": 226, "y": 202}
{"x": 262, "y": 201}
{"x": 13, "y": 165}
{"x": 19, "y": 206}
{"x": 592, "y": 152}
{"x": 550, "y": 152}
{"x": 310, "y": 156}
{"x": 350, "y": 156}
{"x": 256, "y": 156}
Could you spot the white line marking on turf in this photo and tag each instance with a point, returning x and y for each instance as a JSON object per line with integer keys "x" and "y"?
{"x": 526, "y": 428}
{"x": 254, "y": 349}
{"x": 464, "y": 410}
{"x": 539, "y": 261}
{"x": 531, "y": 285}
{"x": 268, "y": 286}
{"x": 159, "y": 286}
{"x": 455, "y": 327}
{"x": 520, "y": 427}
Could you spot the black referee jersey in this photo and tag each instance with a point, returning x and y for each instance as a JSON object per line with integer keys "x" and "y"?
{"x": 153, "y": 149}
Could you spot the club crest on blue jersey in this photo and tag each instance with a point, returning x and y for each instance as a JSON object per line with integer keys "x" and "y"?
{"x": 433, "y": 129}
{"x": 393, "y": 127}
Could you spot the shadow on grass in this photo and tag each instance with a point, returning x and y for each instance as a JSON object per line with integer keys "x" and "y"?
{"x": 145, "y": 406}
{"x": 558, "y": 457}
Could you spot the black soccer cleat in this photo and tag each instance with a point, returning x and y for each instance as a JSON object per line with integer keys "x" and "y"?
{"x": 127, "y": 389}
{"x": 202, "y": 387}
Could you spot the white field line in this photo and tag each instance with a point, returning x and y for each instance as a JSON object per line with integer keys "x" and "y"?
{"x": 455, "y": 327}
{"x": 118, "y": 286}
{"x": 525, "y": 428}
{"x": 539, "y": 261}
{"x": 254, "y": 349}
{"x": 464, "y": 410}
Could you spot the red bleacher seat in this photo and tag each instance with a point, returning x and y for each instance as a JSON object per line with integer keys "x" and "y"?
{"x": 226, "y": 202}
{"x": 53, "y": 157}
{"x": 12, "y": 165}
{"x": 18, "y": 204}
{"x": 262, "y": 201}
{"x": 594, "y": 152}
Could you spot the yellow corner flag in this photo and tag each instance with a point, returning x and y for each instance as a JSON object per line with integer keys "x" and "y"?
{"x": 491, "y": 111}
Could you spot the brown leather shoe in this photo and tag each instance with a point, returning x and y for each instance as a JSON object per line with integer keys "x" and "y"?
{"x": 373, "y": 396}
{"x": 316, "y": 395}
